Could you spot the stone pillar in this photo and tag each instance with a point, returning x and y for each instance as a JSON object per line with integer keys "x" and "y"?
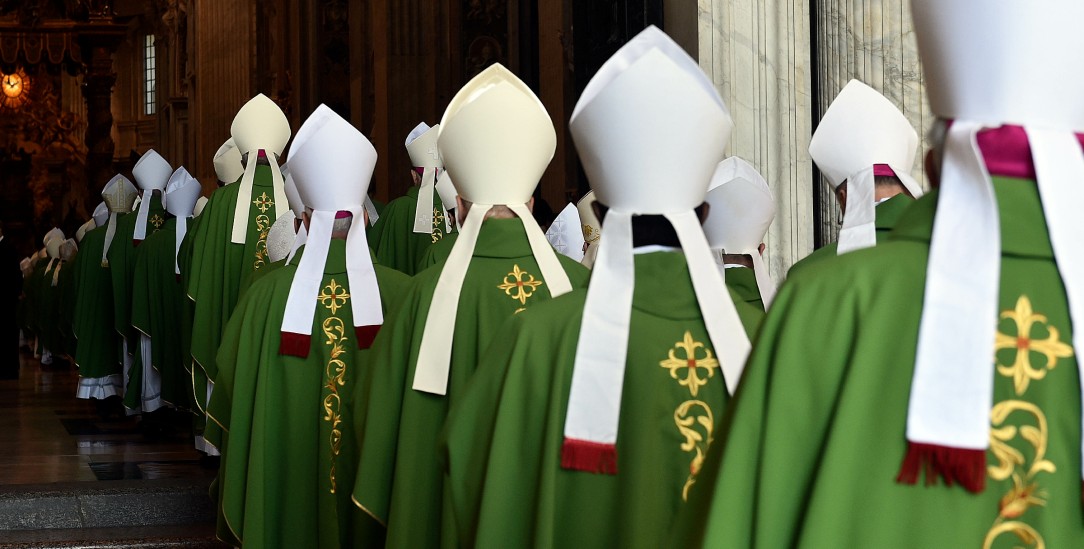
{"x": 758, "y": 54}
{"x": 98, "y": 46}
{"x": 872, "y": 42}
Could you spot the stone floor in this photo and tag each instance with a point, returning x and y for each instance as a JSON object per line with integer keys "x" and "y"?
{"x": 75, "y": 473}
{"x": 47, "y": 435}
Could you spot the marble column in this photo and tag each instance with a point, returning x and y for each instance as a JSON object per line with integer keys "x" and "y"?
{"x": 758, "y": 54}
{"x": 872, "y": 41}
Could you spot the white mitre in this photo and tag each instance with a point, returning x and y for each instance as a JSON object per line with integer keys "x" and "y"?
{"x": 151, "y": 173}
{"x": 742, "y": 209}
{"x": 119, "y": 195}
{"x": 986, "y": 65}
{"x": 446, "y": 190}
{"x": 52, "y": 241}
{"x": 862, "y": 132}
{"x": 280, "y": 237}
{"x": 332, "y": 164}
{"x": 101, "y": 214}
{"x": 260, "y": 125}
{"x": 565, "y": 234}
{"x": 228, "y": 165}
{"x": 591, "y": 228}
{"x": 421, "y": 146}
{"x": 650, "y": 129}
{"x": 201, "y": 203}
{"x": 180, "y": 198}
{"x": 497, "y": 138}
{"x": 82, "y": 230}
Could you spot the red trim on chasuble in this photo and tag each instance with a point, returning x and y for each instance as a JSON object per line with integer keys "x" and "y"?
{"x": 294, "y": 344}
{"x": 365, "y": 335}
{"x": 956, "y": 465}
{"x": 591, "y": 457}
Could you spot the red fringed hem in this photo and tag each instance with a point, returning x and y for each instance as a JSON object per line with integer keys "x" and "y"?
{"x": 365, "y": 335}
{"x": 591, "y": 457}
{"x": 955, "y": 465}
{"x": 294, "y": 344}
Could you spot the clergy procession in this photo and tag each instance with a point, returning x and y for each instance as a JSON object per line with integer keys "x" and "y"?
{"x": 449, "y": 370}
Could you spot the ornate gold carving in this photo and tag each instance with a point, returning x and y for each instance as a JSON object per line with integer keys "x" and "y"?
{"x": 263, "y": 202}
{"x": 690, "y": 364}
{"x": 1052, "y": 348}
{"x": 686, "y": 419}
{"x": 335, "y": 371}
{"x": 522, "y": 282}
{"x": 157, "y": 221}
{"x": 333, "y": 296}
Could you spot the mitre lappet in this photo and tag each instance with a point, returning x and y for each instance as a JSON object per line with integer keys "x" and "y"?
{"x": 591, "y": 228}
{"x": 630, "y": 163}
{"x": 447, "y": 193}
{"x": 497, "y": 138}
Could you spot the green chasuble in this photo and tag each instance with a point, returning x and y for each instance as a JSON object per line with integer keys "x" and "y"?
{"x": 399, "y": 478}
{"x": 98, "y": 352}
{"x": 394, "y": 239}
{"x": 218, "y": 265}
{"x": 67, "y": 286}
{"x": 438, "y": 252}
{"x": 502, "y": 444}
{"x": 742, "y": 282}
{"x": 289, "y": 454}
{"x": 122, "y": 255}
{"x": 157, "y": 304}
{"x": 47, "y": 309}
{"x": 816, "y": 435}
{"x": 887, "y": 213}
{"x": 31, "y": 296}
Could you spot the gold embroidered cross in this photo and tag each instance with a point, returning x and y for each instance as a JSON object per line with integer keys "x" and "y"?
{"x": 1051, "y": 348}
{"x": 333, "y": 296}
{"x": 589, "y": 233}
{"x": 263, "y": 202}
{"x": 690, "y": 363}
{"x": 157, "y": 221}
{"x": 522, "y": 282}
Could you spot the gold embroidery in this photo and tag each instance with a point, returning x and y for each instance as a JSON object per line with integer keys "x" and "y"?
{"x": 335, "y": 371}
{"x": 263, "y": 224}
{"x": 691, "y": 364}
{"x": 522, "y": 282}
{"x": 332, "y": 298}
{"x": 590, "y": 234}
{"x": 686, "y": 421}
{"x": 263, "y": 202}
{"x": 1021, "y": 370}
{"x": 1025, "y": 493}
{"x": 157, "y": 221}
{"x": 438, "y": 222}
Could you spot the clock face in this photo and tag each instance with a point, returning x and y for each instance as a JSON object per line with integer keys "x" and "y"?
{"x": 13, "y": 85}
